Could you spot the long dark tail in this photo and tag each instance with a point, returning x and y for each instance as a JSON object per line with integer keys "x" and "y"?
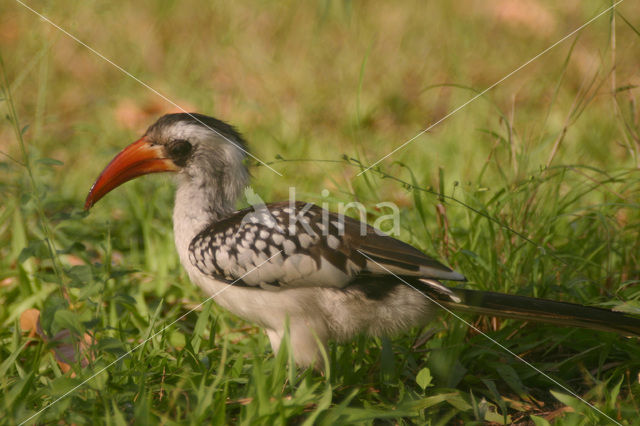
{"x": 542, "y": 310}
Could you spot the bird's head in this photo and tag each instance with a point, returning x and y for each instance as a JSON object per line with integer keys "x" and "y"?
{"x": 202, "y": 150}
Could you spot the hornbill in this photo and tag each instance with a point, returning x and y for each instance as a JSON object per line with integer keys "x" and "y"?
{"x": 329, "y": 277}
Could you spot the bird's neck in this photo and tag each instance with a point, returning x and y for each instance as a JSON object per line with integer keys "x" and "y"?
{"x": 199, "y": 204}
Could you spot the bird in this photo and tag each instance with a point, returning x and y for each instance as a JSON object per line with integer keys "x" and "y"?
{"x": 296, "y": 268}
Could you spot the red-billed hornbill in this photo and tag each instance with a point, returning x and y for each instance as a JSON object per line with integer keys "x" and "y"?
{"x": 299, "y": 263}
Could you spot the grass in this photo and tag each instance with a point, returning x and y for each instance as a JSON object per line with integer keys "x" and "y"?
{"x": 531, "y": 189}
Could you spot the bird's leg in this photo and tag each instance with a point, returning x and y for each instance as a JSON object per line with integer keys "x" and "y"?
{"x": 275, "y": 338}
{"x": 305, "y": 342}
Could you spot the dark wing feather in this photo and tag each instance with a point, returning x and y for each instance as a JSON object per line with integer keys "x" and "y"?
{"x": 315, "y": 248}
{"x": 398, "y": 257}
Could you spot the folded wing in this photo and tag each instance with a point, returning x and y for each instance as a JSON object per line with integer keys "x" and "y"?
{"x": 283, "y": 246}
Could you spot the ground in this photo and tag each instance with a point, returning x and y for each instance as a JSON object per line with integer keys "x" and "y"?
{"x": 531, "y": 188}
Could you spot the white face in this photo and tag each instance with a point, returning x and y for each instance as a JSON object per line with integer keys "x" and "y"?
{"x": 197, "y": 146}
{"x": 215, "y": 160}
{"x": 191, "y": 132}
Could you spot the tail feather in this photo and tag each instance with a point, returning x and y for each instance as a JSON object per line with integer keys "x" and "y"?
{"x": 542, "y": 310}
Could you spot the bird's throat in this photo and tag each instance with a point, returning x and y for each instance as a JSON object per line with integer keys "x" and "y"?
{"x": 195, "y": 208}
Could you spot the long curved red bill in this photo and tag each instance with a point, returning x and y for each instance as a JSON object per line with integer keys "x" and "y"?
{"x": 139, "y": 158}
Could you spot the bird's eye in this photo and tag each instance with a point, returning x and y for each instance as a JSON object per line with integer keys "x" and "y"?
{"x": 179, "y": 150}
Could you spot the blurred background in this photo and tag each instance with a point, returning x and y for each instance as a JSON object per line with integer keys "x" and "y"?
{"x": 322, "y": 79}
{"x": 544, "y": 167}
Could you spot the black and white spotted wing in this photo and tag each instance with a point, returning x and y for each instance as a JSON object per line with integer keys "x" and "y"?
{"x": 303, "y": 245}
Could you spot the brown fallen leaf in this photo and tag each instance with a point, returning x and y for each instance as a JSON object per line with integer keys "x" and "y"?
{"x": 74, "y": 260}
{"x": 8, "y": 282}
{"x": 531, "y": 15}
{"x": 29, "y": 321}
{"x": 66, "y": 347}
